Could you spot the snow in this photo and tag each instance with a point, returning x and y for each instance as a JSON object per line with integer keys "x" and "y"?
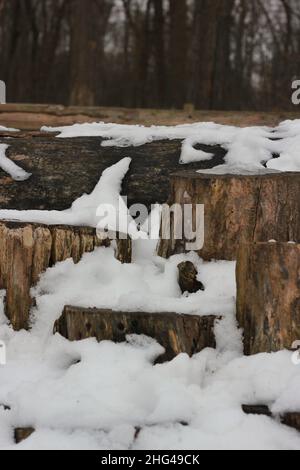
{"x": 85, "y": 395}
{"x": 17, "y": 173}
{"x": 89, "y": 395}
{"x": 249, "y": 150}
{"x": 8, "y": 129}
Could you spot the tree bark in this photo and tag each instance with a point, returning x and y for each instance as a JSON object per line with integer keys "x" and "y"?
{"x": 176, "y": 333}
{"x": 268, "y": 296}
{"x": 237, "y": 209}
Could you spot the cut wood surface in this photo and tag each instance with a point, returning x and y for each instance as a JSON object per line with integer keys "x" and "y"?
{"x": 237, "y": 209}
{"x": 176, "y": 333}
{"x": 268, "y": 296}
{"x": 63, "y": 169}
{"x": 27, "y": 250}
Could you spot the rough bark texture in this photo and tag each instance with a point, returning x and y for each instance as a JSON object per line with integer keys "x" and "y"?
{"x": 63, "y": 169}
{"x": 268, "y": 296}
{"x": 22, "y": 433}
{"x": 177, "y": 333}
{"x": 27, "y": 250}
{"x": 238, "y": 209}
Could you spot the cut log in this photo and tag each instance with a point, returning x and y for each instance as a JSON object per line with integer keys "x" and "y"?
{"x": 237, "y": 209}
{"x": 21, "y": 434}
{"x": 268, "y": 296}
{"x": 27, "y": 250}
{"x": 288, "y": 419}
{"x": 176, "y": 333}
{"x": 63, "y": 169}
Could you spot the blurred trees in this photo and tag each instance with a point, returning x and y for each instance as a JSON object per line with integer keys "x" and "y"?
{"x": 215, "y": 54}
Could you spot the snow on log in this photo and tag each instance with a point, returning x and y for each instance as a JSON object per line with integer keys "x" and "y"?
{"x": 238, "y": 208}
{"x": 268, "y": 296}
{"x": 27, "y": 250}
{"x": 176, "y": 333}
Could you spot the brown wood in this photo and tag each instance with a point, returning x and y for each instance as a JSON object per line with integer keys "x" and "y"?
{"x": 268, "y": 296}
{"x": 238, "y": 209}
{"x": 188, "y": 281}
{"x": 21, "y": 434}
{"x": 292, "y": 420}
{"x": 27, "y": 250}
{"x": 176, "y": 333}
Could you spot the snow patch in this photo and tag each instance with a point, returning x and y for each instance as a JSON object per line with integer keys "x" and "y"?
{"x": 17, "y": 173}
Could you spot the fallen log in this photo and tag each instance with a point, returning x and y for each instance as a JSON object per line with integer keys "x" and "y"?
{"x": 63, "y": 169}
{"x": 27, "y": 250}
{"x": 176, "y": 333}
{"x": 237, "y": 209}
{"x": 268, "y": 296}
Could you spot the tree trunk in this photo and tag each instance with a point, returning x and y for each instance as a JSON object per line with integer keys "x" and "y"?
{"x": 178, "y": 52}
{"x": 237, "y": 209}
{"x": 176, "y": 333}
{"x": 27, "y": 250}
{"x": 268, "y": 296}
{"x": 88, "y": 30}
{"x": 203, "y": 55}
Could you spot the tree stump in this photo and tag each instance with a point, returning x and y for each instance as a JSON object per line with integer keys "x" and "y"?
{"x": 176, "y": 333}
{"x": 268, "y": 296}
{"x": 27, "y": 250}
{"x": 237, "y": 209}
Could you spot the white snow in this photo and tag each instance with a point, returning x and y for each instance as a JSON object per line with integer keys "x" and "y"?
{"x": 7, "y": 165}
{"x": 250, "y": 149}
{"x": 85, "y": 395}
{"x": 8, "y": 129}
{"x": 99, "y": 402}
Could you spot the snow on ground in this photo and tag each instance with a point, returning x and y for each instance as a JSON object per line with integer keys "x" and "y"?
{"x": 250, "y": 149}
{"x": 17, "y": 173}
{"x": 94, "y": 396}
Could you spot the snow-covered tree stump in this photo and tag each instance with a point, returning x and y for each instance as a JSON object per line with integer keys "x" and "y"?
{"x": 237, "y": 209}
{"x": 268, "y": 295}
{"x": 176, "y": 333}
{"x": 27, "y": 250}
